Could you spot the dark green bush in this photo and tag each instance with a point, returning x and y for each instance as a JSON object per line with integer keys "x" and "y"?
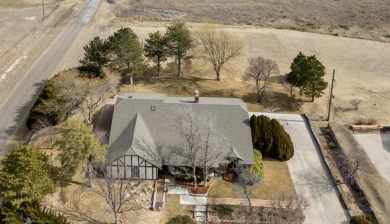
{"x": 363, "y": 219}
{"x": 180, "y": 219}
{"x": 49, "y": 108}
{"x": 188, "y": 177}
{"x": 270, "y": 138}
{"x": 30, "y": 211}
{"x": 90, "y": 71}
{"x": 224, "y": 211}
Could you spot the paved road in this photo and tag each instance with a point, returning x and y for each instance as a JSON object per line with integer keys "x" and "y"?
{"x": 309, "y": 174}
{"x": 15, "y": 109}
{"x": 377, "y": 147}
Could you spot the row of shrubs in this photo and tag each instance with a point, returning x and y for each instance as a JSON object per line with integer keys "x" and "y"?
{"x": 30, "y": 213}
{"x": 363, "y": 219}
{"x": 50, "y": 108}
{"x": 270, "y": 138}
{"x": 188, "y": 177}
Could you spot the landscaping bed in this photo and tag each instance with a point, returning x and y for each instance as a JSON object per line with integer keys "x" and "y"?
{"x": 200, "y": 190}
{"x": 239, "y": 214}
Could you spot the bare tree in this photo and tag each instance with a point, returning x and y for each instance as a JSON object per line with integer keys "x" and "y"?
{"x": 259, "y": 71}
{"x": 351, "y": 163}
{"x": 102, "y": 135}
{"x": 96, "y": 92}
{"x": 247, "y": 181}
{"x": 202, "y": 145}
{"x": 87, "y": 94}
{"x": 43, "y": 126}
{"x": 287, "y": 209}
{"x": 191, "y": 132}
{"x": 289, "y": 87}
{"x": 217, "y": 46}
{"x": 116, "y": 191}
{"x": 356, "y": 103}
{"x": 210, "y": 145}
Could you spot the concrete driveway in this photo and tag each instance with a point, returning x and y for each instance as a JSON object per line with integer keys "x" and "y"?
{"x": 309, "y": 173}
{"x": 377, "y": 147}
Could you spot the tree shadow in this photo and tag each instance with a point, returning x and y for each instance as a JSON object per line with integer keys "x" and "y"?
{"x": 273, "y": 102}
{"x": 319, "y": 180}
{"x": 385, "y": 138}
{"x": 61, "y": 178}
{"x": 277, "y": 79}
{"x": 74, "y": 209}
{"x": 18, "y": 130}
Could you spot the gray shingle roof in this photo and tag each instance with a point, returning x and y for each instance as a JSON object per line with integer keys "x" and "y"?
{"x": 135, "y": 121}
{"x": 234, "y": 154}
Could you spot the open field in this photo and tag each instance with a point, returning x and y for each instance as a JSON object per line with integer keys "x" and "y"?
{"x": 366, "y": 19}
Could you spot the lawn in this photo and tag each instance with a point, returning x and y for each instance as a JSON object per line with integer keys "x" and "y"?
{"x": 276, "y": 181}
{"x": 173, "y": 208}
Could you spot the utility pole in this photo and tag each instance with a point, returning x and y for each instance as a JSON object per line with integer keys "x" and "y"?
{"x": 331, "y": 94}
{"x": 43, "y": 10}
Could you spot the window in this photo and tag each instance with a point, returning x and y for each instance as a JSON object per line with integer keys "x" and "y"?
{"x": 134, "y": 172}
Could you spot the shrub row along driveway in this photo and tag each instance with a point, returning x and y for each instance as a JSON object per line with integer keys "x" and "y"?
{"x": 310, "y": 176}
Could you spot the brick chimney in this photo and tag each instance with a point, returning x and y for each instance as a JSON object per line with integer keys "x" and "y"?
{"x": 196, "y": 93}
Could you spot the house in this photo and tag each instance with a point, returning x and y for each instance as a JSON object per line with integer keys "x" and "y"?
{"x": 142, "y": 123}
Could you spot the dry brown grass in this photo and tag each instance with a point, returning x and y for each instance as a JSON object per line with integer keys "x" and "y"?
{"x": 277, "y": 181}
{"x": 173, "y": 208}
{"x": 331, "y": 17}
{"x": 203, "y": 80}
{"x": 24, "y": 3}
{"x": 81, "y": 205}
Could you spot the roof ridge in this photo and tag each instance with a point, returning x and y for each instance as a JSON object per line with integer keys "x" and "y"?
{"x": 143, "y": 143}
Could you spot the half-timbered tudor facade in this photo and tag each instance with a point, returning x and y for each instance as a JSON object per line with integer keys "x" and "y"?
{"x": 142, "y": 123}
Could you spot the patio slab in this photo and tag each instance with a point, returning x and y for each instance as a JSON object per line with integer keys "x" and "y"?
{"x": 193, "y": 200}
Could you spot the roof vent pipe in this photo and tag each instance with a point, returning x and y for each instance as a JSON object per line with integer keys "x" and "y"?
{"x": 196, "y": 96}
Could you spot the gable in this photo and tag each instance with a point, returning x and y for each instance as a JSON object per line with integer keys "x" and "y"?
{"x": 155, "y": 125}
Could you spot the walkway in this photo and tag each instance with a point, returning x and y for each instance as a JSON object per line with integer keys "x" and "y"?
{"x": 239, "y": 201}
